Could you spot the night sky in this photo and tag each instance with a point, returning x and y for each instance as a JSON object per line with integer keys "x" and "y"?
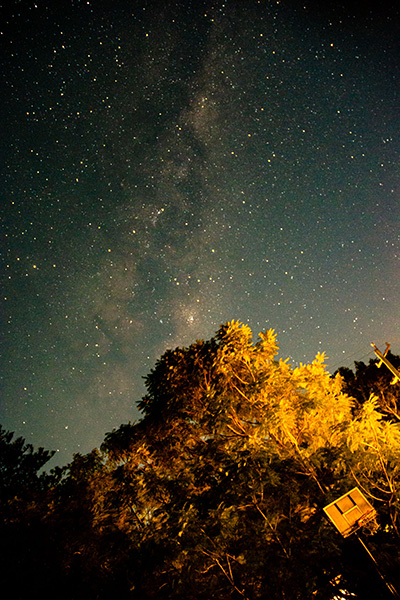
{"x": 170, "y": 166}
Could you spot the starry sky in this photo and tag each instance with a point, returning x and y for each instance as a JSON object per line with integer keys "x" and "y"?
{"x": 168, "y": 166}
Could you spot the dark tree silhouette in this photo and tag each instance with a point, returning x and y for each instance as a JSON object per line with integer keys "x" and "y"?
{"x": 367, "y": 379}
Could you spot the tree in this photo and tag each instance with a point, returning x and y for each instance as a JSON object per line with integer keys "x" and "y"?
{"x": 368, "y": 379}
{"x": 20, "y": 465}
{"x": 217, "y": 491}
{"x": 221, "y": 486}
{"x": 51, "y": 543}
{"x": 24, "y": 540}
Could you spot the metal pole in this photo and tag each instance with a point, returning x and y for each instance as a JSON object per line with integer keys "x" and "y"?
{"x": 388, "y": 585}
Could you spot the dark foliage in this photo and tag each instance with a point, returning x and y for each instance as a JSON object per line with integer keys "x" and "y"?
{"x": 218, "y": 491}
{"x": 367, "y": 379}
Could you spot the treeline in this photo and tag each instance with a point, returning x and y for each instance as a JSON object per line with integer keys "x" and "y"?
{"x": 218, "y": 491}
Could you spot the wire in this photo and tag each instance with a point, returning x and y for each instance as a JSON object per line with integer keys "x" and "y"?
{"x": 346, "y": 359}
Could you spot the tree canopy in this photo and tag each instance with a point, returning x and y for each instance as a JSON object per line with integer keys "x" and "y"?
{"x": 367, "y": 379}
{"x": 218, "y": 490}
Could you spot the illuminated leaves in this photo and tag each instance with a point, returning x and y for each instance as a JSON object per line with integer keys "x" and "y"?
{"x": 218, "y": 491}
{"x": 234, "y": 455}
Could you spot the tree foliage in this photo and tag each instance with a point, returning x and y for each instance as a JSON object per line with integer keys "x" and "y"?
{"x": 367, "y": 379}
{"x": 23, "y": 541}
{"x": 19, "y": 468}
{"x": 218, "y": 491}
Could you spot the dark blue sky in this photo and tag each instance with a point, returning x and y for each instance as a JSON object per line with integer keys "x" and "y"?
{"x": 170, "y": 166}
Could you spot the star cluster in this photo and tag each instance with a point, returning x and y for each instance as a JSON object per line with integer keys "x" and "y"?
{"x": 170, "y": 166}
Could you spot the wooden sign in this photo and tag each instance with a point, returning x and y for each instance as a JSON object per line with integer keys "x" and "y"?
{"x": 350, "y": 511}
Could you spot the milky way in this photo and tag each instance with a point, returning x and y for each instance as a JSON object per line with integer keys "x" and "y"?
{"x": 173, "y": 166}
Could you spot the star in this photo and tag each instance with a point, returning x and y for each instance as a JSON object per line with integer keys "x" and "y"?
{"x": 168, "y": 171}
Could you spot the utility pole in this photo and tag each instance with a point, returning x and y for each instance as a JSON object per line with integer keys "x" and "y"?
{"x": 383, "y": 359}
{"x": 348, "y": 514}
{"x": 389, "y": 586}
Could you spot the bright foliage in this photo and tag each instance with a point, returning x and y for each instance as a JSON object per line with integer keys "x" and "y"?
{"x": 218, "y": 491}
